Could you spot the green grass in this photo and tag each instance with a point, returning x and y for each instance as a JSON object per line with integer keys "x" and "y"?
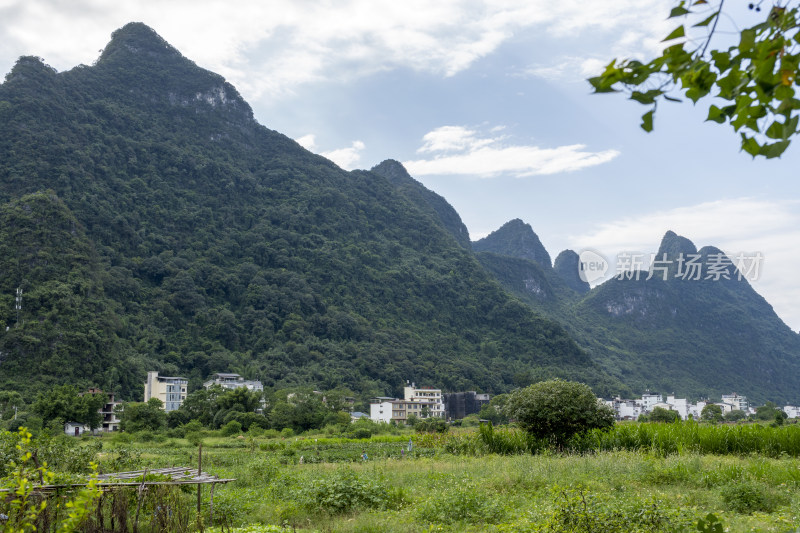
{"x": 654, "y": 478}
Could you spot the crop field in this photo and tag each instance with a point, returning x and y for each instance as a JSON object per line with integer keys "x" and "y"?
{"x": 639, "y": 477}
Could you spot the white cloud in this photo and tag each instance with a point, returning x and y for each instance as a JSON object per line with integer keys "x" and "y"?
{"x": 736, "y": 225}
{"x": 307, "y": 141}
{"x": 463, "y": 151}
{"x": 272, "y": 47}
{"x": 346, "y": 157}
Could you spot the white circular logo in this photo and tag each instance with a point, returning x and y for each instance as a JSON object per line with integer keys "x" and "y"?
{"x": 591, "y": 266}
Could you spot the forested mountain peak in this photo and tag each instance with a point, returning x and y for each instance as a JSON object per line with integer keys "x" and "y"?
{"x": 139, "y": 61}
{"x": 138, "y": 39}
{"x": 515, "y": 238}
{"x": 396, "y": 173}
{"x": 567, "y": 266}
{"x": 673, "y": 245}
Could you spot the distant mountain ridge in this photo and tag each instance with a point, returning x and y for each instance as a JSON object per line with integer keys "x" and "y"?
{"x": 703, "y": 336}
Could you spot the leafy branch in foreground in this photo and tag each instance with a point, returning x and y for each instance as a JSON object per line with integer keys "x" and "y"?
{"x": 755, "y": 78}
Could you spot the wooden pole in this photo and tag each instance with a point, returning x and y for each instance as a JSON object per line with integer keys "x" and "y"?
{"x": 199, "y": 473}
{"x": 211, "y": 505}
{"x": 139, "y": 502}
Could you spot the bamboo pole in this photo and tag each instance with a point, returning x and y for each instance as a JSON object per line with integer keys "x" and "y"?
{"x": 199, "y": 485}
{"x": 139, "y": 503}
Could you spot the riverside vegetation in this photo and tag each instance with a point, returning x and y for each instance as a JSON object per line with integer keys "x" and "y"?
{"x": 635, "y": 477}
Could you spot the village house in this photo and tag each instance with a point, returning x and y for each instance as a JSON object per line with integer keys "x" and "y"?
{"x": 422, "y": 402}
{"x": 170, "y": 390}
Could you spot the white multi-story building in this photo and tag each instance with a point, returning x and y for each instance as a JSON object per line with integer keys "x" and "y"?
{"x": 170, "y": 390}
{"x": 426, "y": 395}
{"x": 649, "y": 400}
{"x": 738, "y": 402}
{"x": 421, "y": 402}
{"x": 233, "y": 381}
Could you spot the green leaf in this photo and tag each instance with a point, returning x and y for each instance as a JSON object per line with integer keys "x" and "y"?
{"x": 676, "y": 33}
{"x": 647, "y": 121}
{"x": 748, "y": 40}
{"x": 648, "y": 97}
{"x": 750, "y": 145}
{"x": 715, "y": 114}
{"x": 678, "y": 12}
{"x": 771, "y": 151}
{"x": 722, "y": 60}
{"x": 775, "y": 131}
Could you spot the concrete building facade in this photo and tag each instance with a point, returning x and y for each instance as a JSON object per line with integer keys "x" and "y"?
{"x": 170, "y": 390}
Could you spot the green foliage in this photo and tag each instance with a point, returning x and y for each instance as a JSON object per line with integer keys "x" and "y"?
{"x": 710, "y": 524}
{"x": 746, "y": 497}
{"x": 769, "y": 411}
{"x": 344, "y": 491}
{"x": 735, "y": 415}
{"x": 756, "y": 78}
{"x": 143, "y": 416}
{"x": 431, "y": 424}
{"x": 581, "y": 512}
{"x": 659, "y": 414}
{"x": 712, "y": 413}
{"x": 509, "y": 441}
{"x": 557, "y": 410}
{"x": 25, "y": 509}
{"x": 232, "y": 428}
{"x": 65, "y": 403}
{"x": 458, "y": 502}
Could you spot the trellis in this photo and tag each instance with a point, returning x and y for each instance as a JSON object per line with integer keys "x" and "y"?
{"x": 138, "y": 479}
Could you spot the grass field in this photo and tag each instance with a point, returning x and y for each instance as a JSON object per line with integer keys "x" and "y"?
{"x": 646, "y": 478}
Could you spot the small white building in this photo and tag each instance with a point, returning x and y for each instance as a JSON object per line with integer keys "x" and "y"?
{"x": 792, "y": 411}
{"x": 75, "y": 429}
{"x": 696, "y": 409}
{"x": 680, "y": 405}
{"x": 380, "y": 409}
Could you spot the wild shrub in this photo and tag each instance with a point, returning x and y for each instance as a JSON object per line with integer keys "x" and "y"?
{"x": 344, "y": 491}
{"x": 460, "y": 502}
{"x": 360, "y": 433}
{"x": 747, "y": 496}
{"x": 234, "y": 427}
{"x": 578, "y": 511}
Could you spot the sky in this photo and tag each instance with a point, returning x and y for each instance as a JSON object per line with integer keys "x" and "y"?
{"x": 485, "y": 103}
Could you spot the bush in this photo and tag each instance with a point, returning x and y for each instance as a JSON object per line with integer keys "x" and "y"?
{"x": 360, "y": 433}
{"x": 746, "y": 497}
{"x": 345, "y": 491}
{"x": 557, "y": 410}
{"x": 579, "y": 511}
{"x": 234, "y": 427}
{"x": 287, "y": 433}
{"x": 460, "y": 503}
{"x": 431, "y": 424}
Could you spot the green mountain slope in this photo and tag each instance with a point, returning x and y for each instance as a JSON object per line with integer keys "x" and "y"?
{"x": 693, "y": 337}
{"x": 214, "y": 244}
